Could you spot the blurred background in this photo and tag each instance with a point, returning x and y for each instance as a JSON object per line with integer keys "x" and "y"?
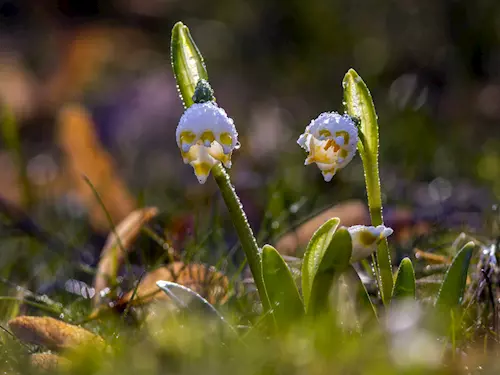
{"x": 87, "y": 89}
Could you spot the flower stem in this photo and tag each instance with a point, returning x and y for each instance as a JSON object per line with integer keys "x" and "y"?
{"x": 245, "y": 234}
{"x": 383, "y": 257}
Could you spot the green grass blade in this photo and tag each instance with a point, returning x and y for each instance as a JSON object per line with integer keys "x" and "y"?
{"x": 359, "y": 104}
{"x": 315, "y": 250}
{"x": 187, "y": 63}
{"x": 404, "y": 287}
{"x": 453, "y": 287}
{"x": 281, "y": 288}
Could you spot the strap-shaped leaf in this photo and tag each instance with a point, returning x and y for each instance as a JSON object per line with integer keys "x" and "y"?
{"x": 187, "y": 63}
{"x": 452, "y": 289}
{"x": 404, "y": 287}
{"x": 359, "y": 104}
{"x": 315, "y": 251}
{"x": 334, "y": 262}
{"x": 327, "y": 255}
{"x": 281, "y": 288}
{"x": 363, "y": 297}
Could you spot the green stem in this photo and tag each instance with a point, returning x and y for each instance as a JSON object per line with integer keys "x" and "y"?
{"x": 247, "y": 239}
{"x": 374, "y": 194}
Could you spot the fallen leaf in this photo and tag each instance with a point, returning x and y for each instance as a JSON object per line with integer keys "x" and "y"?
{"x": 85, "y": 156}
{"x": 86, "y": 55}
{"x": 204, "y": 280}
{"x": 350, "y": 212}
{"x": 48, "y": 361}
{"x": 51, "y": 333}
{"x": 118, "y": 243}
{"x": 431, "y": 257}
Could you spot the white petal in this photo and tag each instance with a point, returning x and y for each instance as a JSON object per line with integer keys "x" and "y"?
{"x": 206, "y": 136}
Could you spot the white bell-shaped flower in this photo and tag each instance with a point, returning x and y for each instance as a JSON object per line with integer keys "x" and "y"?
{"x": 331, "y": 141}
{"x": 206, "y": 136}
{"x": 365, "y": 239}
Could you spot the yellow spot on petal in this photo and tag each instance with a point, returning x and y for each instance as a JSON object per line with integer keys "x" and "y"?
{"x": 331, "y": 171}
{"x": 202, "y": 169}
{"x": 343, "y": 134}
{"x": 226, "y": 160}
{"x": 207, "y": 136}
{"x": 325, "y": 133}
{"x": 366, "y": 238}
{"x": 187, "y": 137}
{"x": 226, "y": 139}
{"x": 310, "y": 159}
{"x": 343, "y": 153}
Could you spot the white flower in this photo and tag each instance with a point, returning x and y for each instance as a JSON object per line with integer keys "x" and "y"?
{"x": 206, "y": 136}
{"x": 331, "y": 141}
{"x": 365, "y": 239}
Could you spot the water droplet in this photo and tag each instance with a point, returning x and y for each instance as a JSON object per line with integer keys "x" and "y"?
{"x": 237, "y": 145}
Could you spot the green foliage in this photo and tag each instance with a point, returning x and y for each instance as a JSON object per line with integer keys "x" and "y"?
{"x": 404, "y": 287}
{"x": 177, "y": 339}
{"x": 184, "y": 297}
{"x": 452, "y": 289}
{"x": 362, "y": 296}
{"x": 187, "y": 63}
{"x": 327, "y": 255}
{"x": 281, "y": 288}
{"x": 314, "y": 252}
{"x": 191, "y": 76}
{"x": 359, "y": 105}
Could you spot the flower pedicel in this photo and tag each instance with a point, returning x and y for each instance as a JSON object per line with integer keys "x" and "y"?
{"x": 331, "y": 141}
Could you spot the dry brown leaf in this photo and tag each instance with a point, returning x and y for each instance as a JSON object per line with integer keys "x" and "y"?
{"x": 85, "y": 55}
{"x": 350, "y": 212}
{"x": 431, "y": 257}
{"x": 51, "y": 333}
{"x": 48, "y": 361}
{"x": 112, "y": 254}
{"x": 85, "y": 156}
{"x": 203, "y": 279}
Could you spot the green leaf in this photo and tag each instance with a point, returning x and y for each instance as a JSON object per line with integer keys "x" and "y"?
{"x": 359, "y": 104}
{"x": 404, "y": 287}
{"x": 188, "y": 299}
{"x": 281, "y": 288}
{"x": 187, "y": 63}
{"x": 363, "y": 297}
{"x": 327, "y": 254}
{"x": 334, "y": 262}
{"x": 453, "y": 287}
{"x": 314, "y": 253}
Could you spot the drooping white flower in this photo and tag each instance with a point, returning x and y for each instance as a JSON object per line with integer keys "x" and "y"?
{"x": 206, "y": 136}
{"x": 331, "y": 141}
{"x": 365, "y": 239}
